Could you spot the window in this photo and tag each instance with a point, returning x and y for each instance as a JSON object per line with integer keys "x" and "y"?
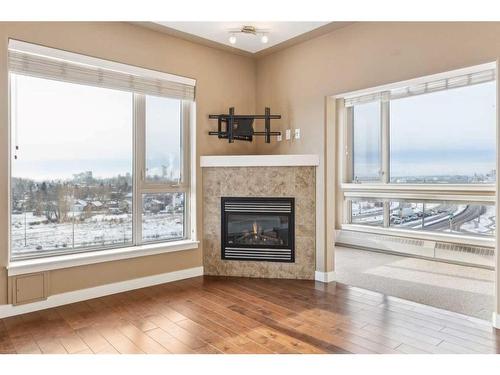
{"x": 366, "y": 142}
{"x": 444, "y": 137}
{"x": 451, "y": 217}
{"x": 93, "y": 166}
{"x": 406, "y": 214}
{"x": 421, "y": 157}
{"x": 163, "y": 139}
{"x": 367, "y": 212}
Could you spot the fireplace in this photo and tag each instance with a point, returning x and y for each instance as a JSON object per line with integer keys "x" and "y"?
{"x": 258, "y": 229}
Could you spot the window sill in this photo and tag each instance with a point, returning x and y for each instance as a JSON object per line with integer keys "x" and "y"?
{"x": 477, "y": 188}
{"x": 21, "y": 267}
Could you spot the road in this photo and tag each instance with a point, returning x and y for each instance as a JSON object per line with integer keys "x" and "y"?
{"x": 439, "y": 222}
{"x": 470, "y": 212}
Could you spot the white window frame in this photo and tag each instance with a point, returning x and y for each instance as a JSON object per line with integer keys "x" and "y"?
{"x": 142, "y": 185}
{"x": 60, "y": 259}
{"x": 384, "y": 189}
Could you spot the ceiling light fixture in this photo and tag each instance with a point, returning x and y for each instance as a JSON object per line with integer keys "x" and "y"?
{"x": 251, "y": 30}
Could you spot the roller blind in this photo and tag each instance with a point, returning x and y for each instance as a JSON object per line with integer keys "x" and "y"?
{"x": 452, "y": 82}
{"x": 376, "y": 96}
{"x": 49, "y": 63}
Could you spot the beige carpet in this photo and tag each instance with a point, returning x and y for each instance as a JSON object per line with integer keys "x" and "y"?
{"x": 466, "y": 290}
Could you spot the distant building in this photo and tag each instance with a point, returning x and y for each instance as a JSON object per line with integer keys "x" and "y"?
{"x": 79, "y": 205}
{"x": 85, "y": 178}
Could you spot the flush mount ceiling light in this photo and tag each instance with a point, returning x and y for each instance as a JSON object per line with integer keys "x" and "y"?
{"x": 251, "y": 30}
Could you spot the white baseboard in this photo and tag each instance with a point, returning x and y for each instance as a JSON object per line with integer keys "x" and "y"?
{"x": 99, "y": 291}
{"x": 324, "y": 277}
{"x": 496, "y": 320}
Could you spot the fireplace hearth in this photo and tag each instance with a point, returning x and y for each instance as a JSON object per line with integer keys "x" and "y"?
{"x": 259, "y": 229}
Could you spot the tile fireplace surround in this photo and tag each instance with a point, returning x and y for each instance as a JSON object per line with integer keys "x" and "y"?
{"x": 260, "y": 176}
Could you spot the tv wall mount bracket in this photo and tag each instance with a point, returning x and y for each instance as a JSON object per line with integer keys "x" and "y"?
{"x": 240, "y": 127}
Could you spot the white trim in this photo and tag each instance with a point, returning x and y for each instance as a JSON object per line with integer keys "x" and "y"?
{"x": 324, "y": 277}
{"x": 416, "y": 81}
{"x": 99, "y": 291}
{"x": 37, "y": 49}
{"x": 21, "y": 267}
{"x": 496, "y": 320}
{"x": 466, "y": 188}
{"x": 430, "y": 236}
{"x": 259, "y": 160}
{"x": 193, "y": 170}
{"x": 428, "y": 196}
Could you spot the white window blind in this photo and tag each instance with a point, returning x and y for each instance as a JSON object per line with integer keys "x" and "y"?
{"x": 424, "y": 87}
{"x": 444, "y": 84}
{"x": 43, "y": 62}
{"x": 376, "y": 96}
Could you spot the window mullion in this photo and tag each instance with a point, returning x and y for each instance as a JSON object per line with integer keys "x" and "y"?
{"x": 385, "y": 149}
{"x": 385, "y": 139}
{"x": 139, "y": 163}
{"x": 348, "y": 145}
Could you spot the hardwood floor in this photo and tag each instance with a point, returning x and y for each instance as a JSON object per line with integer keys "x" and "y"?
{"x": 238, "y": 315}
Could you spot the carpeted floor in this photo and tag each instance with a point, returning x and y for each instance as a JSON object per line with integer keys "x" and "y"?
{"x": 466, "y": 290}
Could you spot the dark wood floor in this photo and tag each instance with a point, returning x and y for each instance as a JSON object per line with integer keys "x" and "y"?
{"x": 237, "y": 315}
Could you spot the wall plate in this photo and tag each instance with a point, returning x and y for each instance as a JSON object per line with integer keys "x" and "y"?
{"x": 296, "y": 134}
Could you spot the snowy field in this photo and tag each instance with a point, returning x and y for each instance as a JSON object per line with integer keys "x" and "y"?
{"x": 32, "y": 233}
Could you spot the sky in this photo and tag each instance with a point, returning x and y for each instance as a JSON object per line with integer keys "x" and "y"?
{"x": 443, "y": 133}
{"x": 64, "y": 128}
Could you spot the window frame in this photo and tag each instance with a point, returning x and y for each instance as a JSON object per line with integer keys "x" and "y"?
{"x": 139, "y": 187}
{"x": 384, "y": 189}
{"x": 141, "y": 184}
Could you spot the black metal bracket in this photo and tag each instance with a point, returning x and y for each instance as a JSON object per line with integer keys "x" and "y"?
{"x": 240, "y": 127}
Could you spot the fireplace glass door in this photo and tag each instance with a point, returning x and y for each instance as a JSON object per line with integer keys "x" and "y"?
{"x": 258, "y": 229}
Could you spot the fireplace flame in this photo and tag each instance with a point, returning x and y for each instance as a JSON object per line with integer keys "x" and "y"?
{"x": 255, "y": 228}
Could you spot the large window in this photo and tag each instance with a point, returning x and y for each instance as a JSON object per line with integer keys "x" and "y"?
{"x": 366, "y": 135}
{"x": 444, "y": 137}
{"x": 449, "y": 217}
{"x": 94, "y": 167}
{"x": 421, "y": 156}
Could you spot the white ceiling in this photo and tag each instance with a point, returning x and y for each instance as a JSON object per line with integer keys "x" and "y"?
{"x": 278, "y": 32}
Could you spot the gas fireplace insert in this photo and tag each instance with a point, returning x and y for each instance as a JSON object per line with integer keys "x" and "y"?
{"x": 258, "y": 229}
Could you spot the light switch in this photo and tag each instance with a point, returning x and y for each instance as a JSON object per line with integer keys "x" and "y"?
{"x": 279, "y": 137}
{"x": 288, "y": 134}
{"x": 297, "y": 134}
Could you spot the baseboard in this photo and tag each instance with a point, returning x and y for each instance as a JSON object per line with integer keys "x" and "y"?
{"x": 324, "y": 277}
{"x": 99, "y": 291}
{"x": 496, "y": 320}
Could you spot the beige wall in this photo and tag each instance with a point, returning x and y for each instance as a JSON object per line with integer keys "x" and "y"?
{"x": 223, "y": 80}
{"x": 293, "y": 82}
{"x": 296, "y": 80}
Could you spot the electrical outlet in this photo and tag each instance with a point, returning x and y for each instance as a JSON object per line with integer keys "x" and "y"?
{"x": 279, "y": 137}
{"x": 288, "y": 134}
{"x": 296, "y": 134}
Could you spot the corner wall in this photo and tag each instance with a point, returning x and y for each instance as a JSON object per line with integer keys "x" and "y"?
{"x": 223, "y": 79}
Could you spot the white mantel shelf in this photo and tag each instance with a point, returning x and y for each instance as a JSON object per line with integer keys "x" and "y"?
{"x": 259, "y": 160}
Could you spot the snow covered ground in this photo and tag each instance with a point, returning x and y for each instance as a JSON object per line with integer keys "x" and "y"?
{"x": 485, "y": 225}
{"x": 32, "y": 233}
